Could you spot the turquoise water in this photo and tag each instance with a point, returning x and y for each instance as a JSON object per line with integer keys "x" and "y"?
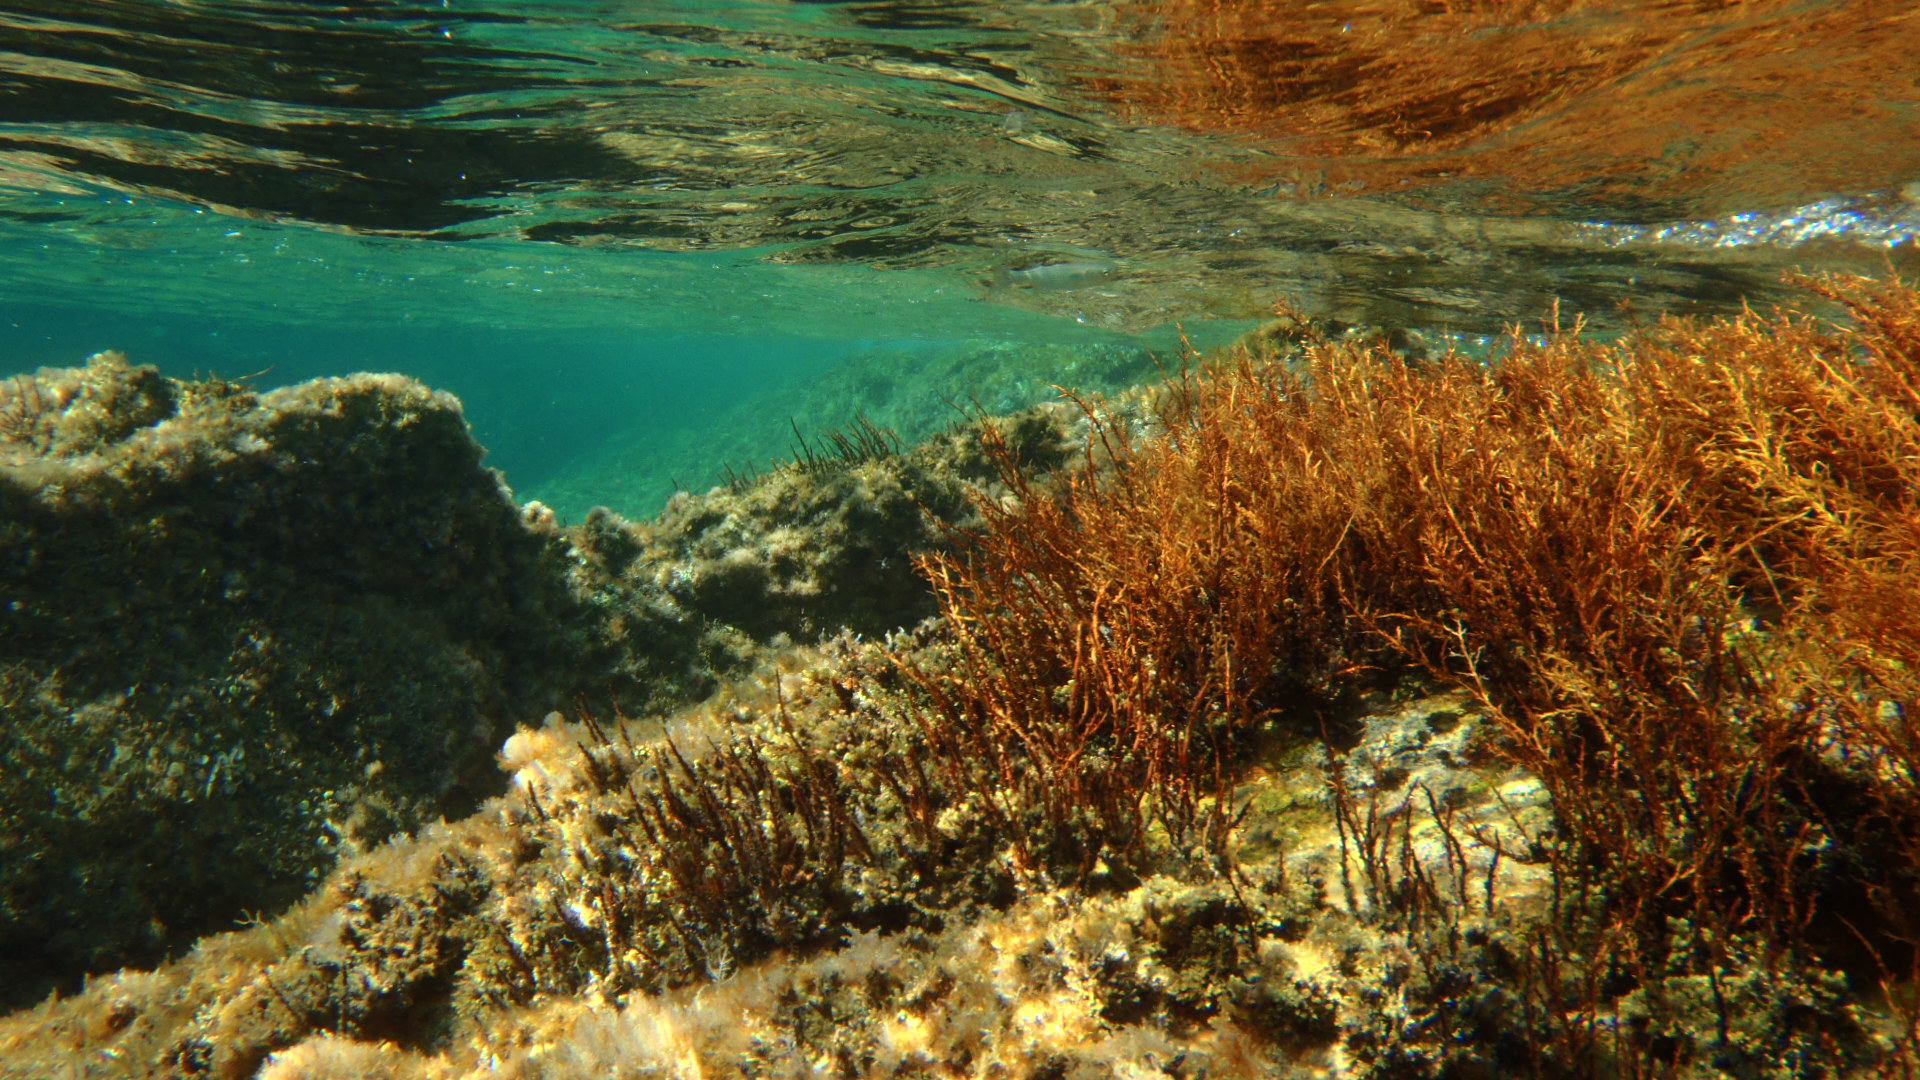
{"x": 609, "y": 226}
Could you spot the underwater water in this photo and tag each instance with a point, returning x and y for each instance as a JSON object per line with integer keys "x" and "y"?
{"x": 646, "y": 240}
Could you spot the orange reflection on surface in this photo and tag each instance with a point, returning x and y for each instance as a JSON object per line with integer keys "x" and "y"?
{"x": 1709, "y": 104}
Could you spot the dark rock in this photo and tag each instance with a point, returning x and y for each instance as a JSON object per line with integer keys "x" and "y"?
{"x": 240, "y": 632}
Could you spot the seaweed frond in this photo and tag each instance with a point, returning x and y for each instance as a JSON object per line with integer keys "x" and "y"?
{"x": 860, "y": 441}
{"x": 1681, "y": 572}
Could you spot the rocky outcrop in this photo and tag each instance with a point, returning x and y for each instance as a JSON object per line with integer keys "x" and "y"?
{"x": 242, "y": 632}
{"x": 239, "y": 632}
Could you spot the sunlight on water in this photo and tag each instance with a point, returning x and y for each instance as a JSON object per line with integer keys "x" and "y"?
{"x": 603, "y": 221}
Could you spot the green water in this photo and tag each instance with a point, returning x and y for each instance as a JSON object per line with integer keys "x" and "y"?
{"x": 570, "y": 363}
{"x": 643, "y": 240}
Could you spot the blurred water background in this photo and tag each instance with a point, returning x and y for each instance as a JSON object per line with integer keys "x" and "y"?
{"x": 645, "y": 240}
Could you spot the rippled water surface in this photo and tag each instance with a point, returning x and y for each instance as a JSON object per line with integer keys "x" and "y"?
{"x": 607, "y": 224}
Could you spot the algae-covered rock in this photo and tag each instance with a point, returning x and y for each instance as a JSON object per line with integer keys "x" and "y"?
{"x": 239, "y": 631}
{"x": 507, "y": 944}
{"x": 817, "y": 546}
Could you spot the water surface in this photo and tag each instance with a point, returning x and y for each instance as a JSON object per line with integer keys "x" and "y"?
{"x": 607, "y": 224}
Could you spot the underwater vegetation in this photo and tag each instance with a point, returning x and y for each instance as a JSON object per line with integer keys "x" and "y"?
{"x": 1676, "y": 574}
{"x": 1338, "y": 713}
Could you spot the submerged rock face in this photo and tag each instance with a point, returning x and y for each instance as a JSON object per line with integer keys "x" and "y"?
{"x": 241, "y": 632}
{"x": 813, "y": 547}
{"x": 238, "y": 632}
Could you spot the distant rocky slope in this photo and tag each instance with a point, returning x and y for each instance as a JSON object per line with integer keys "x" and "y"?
{"x": 241, "y": 632}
